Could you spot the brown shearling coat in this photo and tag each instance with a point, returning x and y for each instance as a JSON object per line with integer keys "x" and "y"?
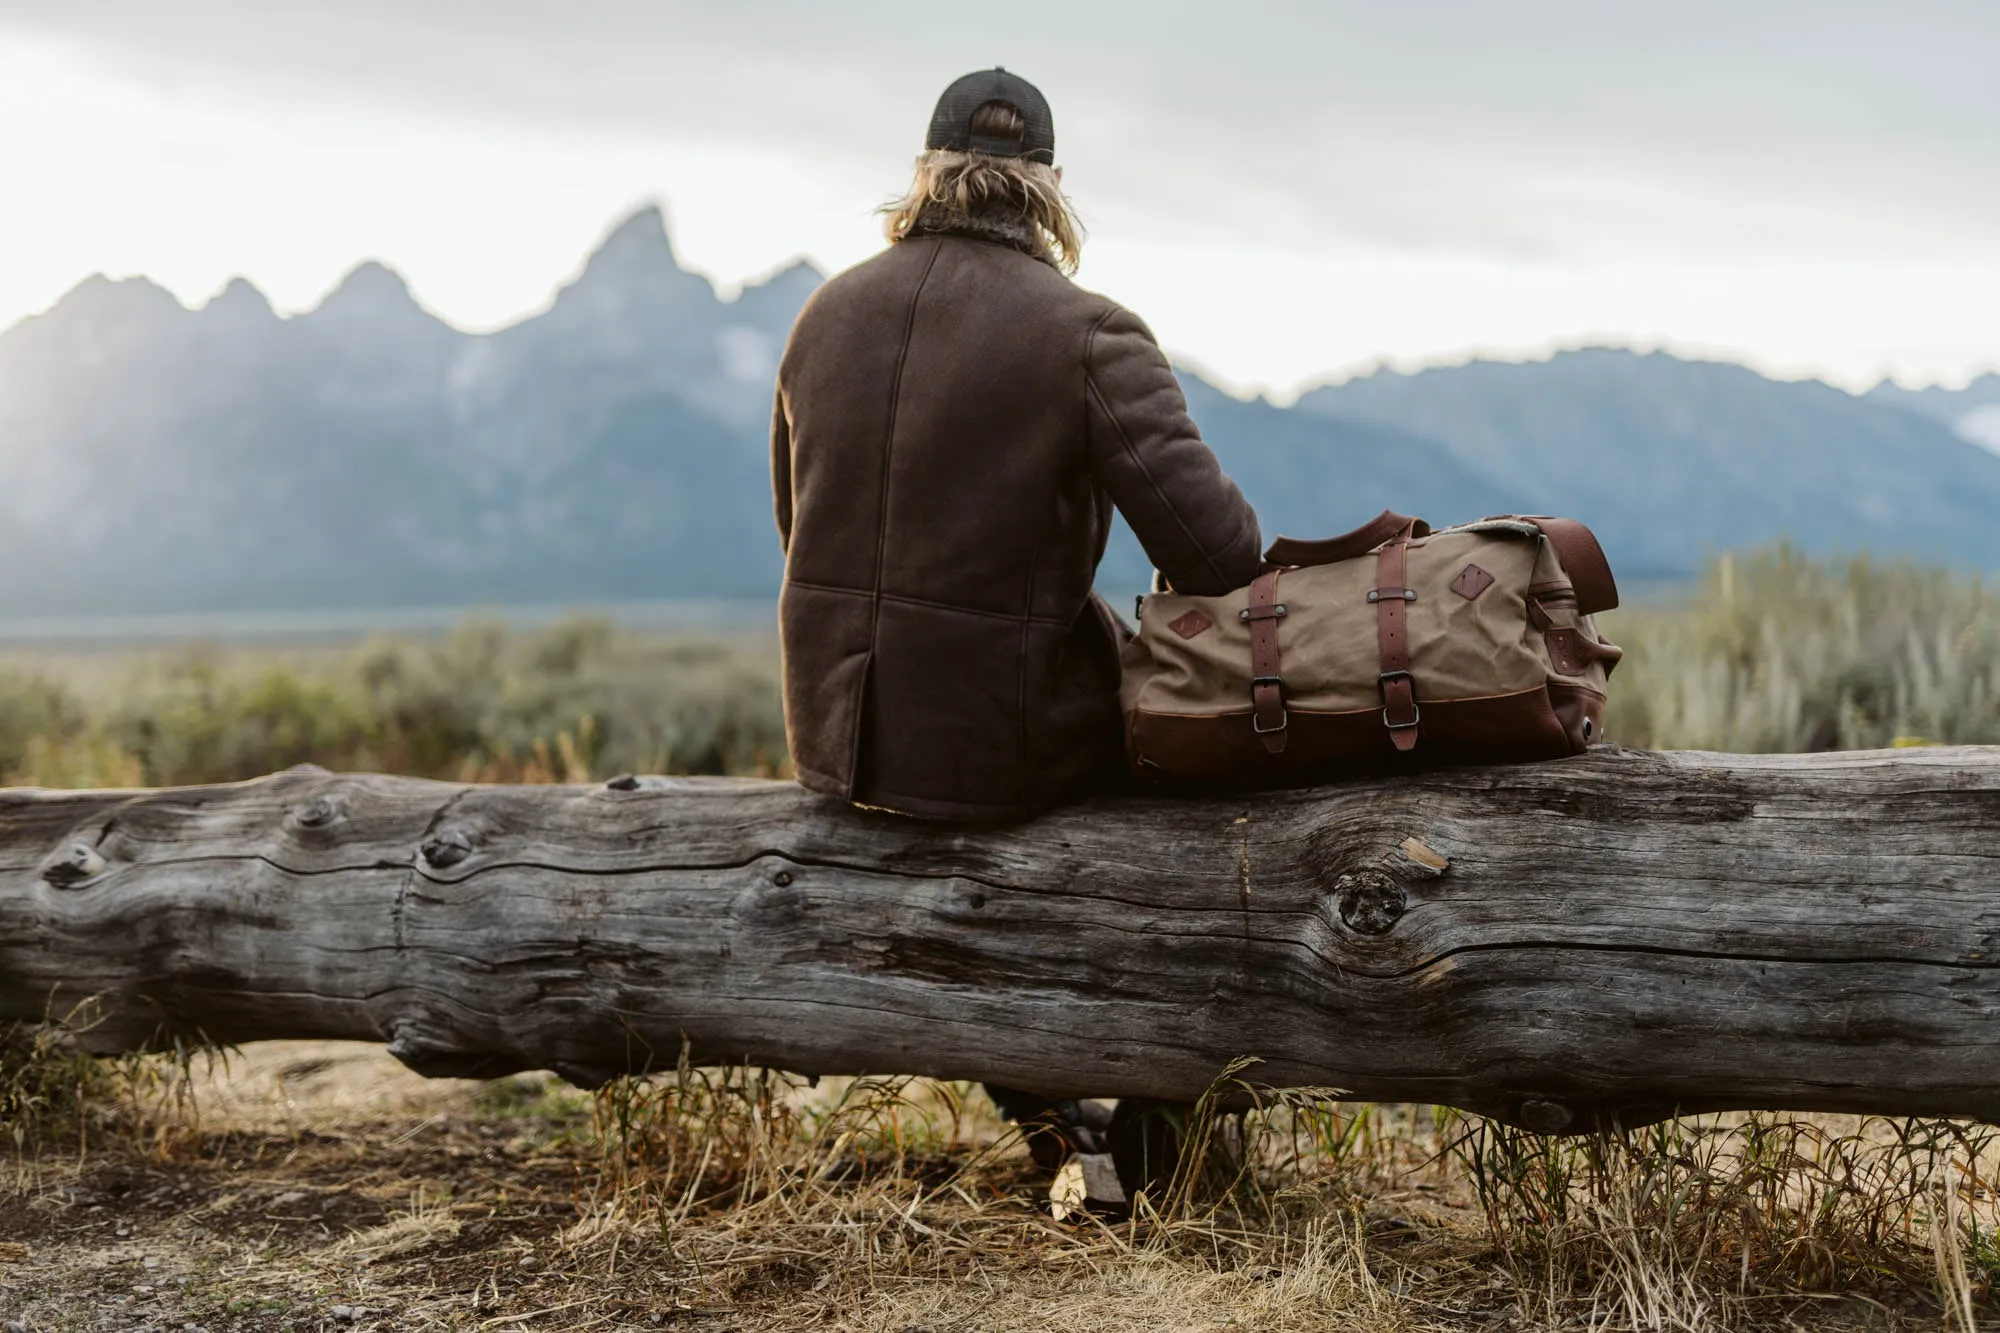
{"x": 954, "y": 421}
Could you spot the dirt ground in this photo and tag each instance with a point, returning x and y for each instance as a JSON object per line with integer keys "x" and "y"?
{"x": 320, "y": 1186}
{"x": 325, "y": 1187}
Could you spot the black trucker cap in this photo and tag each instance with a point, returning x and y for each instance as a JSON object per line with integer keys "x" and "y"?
{"x": 951, "y": 123}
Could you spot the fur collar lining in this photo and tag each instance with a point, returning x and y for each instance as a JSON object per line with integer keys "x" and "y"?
{"x": 1006, "y": 229}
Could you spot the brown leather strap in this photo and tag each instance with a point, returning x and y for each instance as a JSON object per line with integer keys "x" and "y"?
{"x": 1399, "y": 691}
{"x": 1347, "y": 546}
{"x": 1583, "y": 560}
{"x": 1267, "y": 685}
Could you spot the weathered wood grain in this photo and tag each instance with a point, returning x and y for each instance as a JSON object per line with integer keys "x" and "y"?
{"x": 1622, "y": 933}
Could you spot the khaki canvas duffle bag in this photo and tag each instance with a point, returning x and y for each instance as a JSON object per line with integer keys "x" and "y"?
{"x": 1472, "y": 643}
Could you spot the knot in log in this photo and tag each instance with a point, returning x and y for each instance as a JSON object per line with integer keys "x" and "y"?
{"x": 74, "y": 867}
{"x": 1544, "y": 1117}
{"x": 445, "y": 849}
{"x": 769, "y": 903}
{"x": 1371, "y": 901}
{"x": 319, "y": 812}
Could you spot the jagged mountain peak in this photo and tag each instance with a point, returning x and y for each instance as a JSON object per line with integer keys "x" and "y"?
{"x": 775, "y": 298}
{"x": 94, "y": 316}
{"x": 633, "y": 275}
{"x": 799, "y": 276}
{"x": 240, "y": 298}
{"x": 641, "y": 238}
{"x": 99, "y": 296}
{"x": 638, "y": 253}
{"x": 370, "y": 283}
{"x": 371, "y": 303}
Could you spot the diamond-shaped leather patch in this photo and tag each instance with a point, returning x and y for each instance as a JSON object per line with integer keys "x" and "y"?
{"x": 1471, "y": 581}
{"x": 1189, "y": 624}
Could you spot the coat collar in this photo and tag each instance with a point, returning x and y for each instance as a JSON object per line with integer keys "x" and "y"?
{"x": 1008, "y": 229}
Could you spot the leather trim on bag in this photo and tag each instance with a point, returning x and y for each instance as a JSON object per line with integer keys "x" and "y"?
{"x": 1348, "y": 545}
{"x": 1580, "y": 710}
{"x": 1583, "y": 560}
{"x": 1573, "y": 653}
{"x": 1541, "y": 723}
{"x": 1400, "y": 714}
{"x": 1267, "y": 684}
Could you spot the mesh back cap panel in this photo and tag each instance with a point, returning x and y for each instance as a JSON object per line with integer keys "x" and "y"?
{"x": 951, "y": 123}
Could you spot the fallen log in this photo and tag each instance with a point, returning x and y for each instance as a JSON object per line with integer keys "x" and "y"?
{"x": 1621, "y": 934}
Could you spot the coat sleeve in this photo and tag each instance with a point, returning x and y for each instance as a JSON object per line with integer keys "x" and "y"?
{"x": 781, "y": 467}
{"x": 1197, "y": 528}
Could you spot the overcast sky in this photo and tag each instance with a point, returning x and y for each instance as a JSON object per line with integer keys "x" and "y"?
{"x": 1287, "y": 192}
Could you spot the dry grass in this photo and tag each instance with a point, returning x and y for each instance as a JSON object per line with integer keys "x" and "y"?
{"x": 321, "y": 1175}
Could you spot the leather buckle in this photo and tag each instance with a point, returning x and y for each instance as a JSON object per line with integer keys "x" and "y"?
{"x": 1416, "y": 719}
{"x": 1416, "y": 713}
{"x": 1284, "y": 718}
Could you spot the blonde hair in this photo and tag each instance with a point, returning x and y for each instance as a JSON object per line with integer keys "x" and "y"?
{"x": 962, "y": 186}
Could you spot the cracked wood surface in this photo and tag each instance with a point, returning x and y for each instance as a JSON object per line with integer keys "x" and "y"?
{"x": 1621, "y": 933}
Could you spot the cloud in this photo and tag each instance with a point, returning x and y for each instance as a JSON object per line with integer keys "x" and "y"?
{"x": 1284, "y": 188}
{"x": 1542, "y": 128}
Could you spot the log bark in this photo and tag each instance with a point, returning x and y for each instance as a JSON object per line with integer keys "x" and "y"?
{"x": 1617, "y": 935}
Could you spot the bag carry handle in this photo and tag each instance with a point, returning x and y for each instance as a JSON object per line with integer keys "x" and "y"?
{"x": 1347, "y": 546}
{"x": 1583, "y": 560}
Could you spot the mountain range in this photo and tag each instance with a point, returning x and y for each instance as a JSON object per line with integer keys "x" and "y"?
{"x": 613, "y": 446}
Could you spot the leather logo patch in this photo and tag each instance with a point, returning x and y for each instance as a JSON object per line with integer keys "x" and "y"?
{"x": 1471, "y": 581}
{"x": 1190, "y": 624}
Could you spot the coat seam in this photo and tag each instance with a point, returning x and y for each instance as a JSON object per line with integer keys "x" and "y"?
{"x": 904, "y": 599}
{"x": 1125, "y": 439}
{"x": 882, "y": 518}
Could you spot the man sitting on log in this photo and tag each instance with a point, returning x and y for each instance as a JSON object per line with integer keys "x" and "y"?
{"x": 954, "y": 421}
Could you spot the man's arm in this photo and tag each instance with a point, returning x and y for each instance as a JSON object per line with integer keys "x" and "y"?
{"x": 781, "y": 467}
{"x": 1196, "y": 526}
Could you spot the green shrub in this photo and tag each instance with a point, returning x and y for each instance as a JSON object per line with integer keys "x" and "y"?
{"x": 578, "y": 701}
{"x": 33, "y": 709}
{"x": 197, "y": 718}
{"x": 1776, "y": 652}
{"x": 1771, "y": 651}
